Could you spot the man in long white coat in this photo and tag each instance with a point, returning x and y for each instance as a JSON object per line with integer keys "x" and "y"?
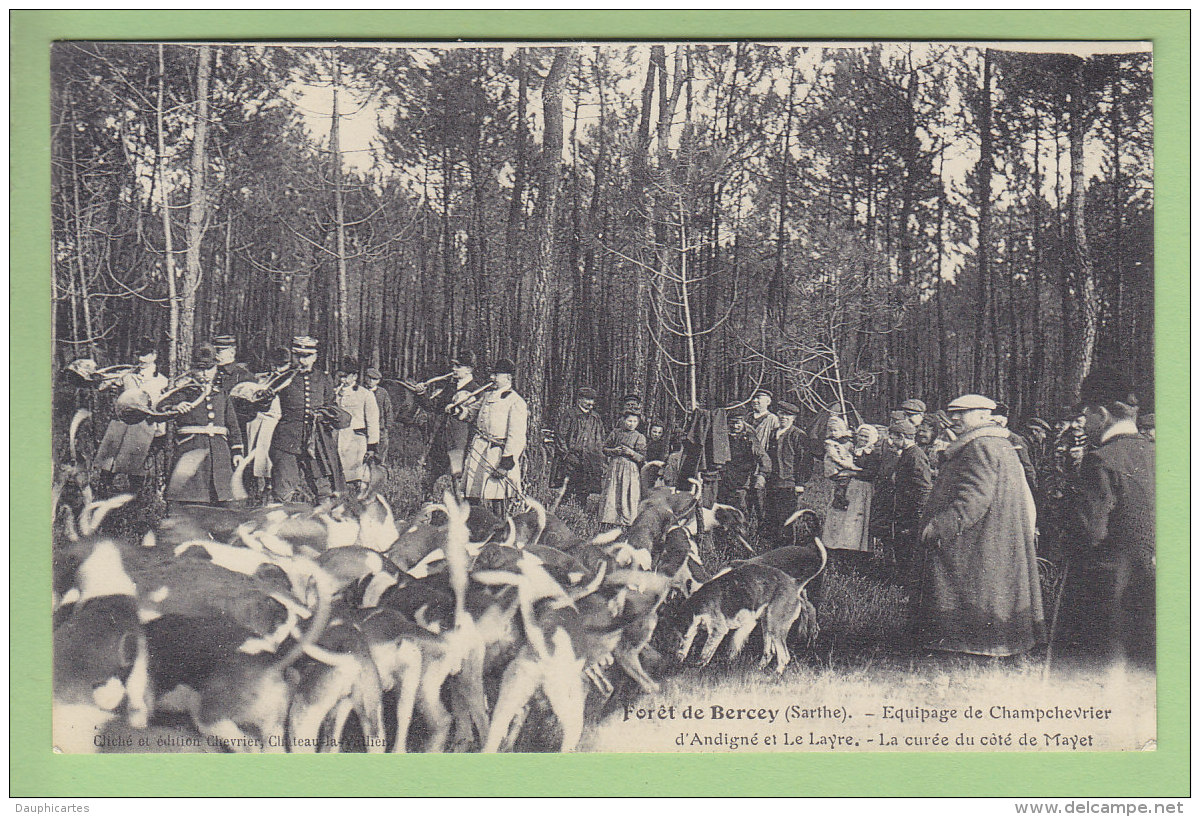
{"x": 492, "y": 471}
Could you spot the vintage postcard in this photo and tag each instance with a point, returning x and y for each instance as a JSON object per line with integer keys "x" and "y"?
{"x": 680, "y": 396}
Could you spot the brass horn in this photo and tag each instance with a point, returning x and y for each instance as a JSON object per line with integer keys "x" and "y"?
{"x": 414, "y": 386}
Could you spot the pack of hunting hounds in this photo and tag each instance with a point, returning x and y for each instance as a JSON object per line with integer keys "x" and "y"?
{"x": 287, "y": 627}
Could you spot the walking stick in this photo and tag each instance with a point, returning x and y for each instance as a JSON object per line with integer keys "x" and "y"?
{"x": 561, "y": 493}
{"x": 1058, "y": 598}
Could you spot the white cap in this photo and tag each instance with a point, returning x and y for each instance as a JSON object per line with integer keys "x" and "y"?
{"x": 969, "y": 402}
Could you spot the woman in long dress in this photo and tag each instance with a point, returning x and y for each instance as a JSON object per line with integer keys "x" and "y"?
{"x": 626, "y": 451}
{"x": 849, "y": 529}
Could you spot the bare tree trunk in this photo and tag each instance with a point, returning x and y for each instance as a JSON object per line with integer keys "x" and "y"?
{"x": 546, "y": 244}
{"x": 197, "y": 208}
{"x": 983, "y": 182}
{"x": 173, "y": 357}
{"x": 516, "y": 208}
{"x": 83, "y": 294}
{"x": 335, "y": 151}
{"x": 1087, "y": 299}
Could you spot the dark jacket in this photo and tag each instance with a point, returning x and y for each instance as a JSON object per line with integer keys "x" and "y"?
{"x": 1114, "y": 503}
{"x": 791, "y": 462}
{"x": 911, "y": 486}
{"x": 307, "y": 392}
{"x": 1109, "y": 599}
{"x": 746, "y": 458}
{"x": 580, "y": 433}
{"x": 203, "y": 465}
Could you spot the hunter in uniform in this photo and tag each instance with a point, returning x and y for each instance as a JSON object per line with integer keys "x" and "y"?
{"x": 230, "y": 373}
{"x": 208, "y": 441}
{"x": 303, "y": 450}
{"x": 499, "y": 424}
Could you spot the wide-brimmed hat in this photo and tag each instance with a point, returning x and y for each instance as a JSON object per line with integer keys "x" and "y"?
{"x": 1106, "y": 385}
{"x": 304, "y": 345}
{"x": 504, "y": 366}
{"x": 970, "y": 402}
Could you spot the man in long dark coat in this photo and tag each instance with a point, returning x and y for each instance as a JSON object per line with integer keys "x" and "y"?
{"x": 979, "y": 592}
{"x": 208, "y": 440}
{"x": 1109, "y": 598}
{"x": 303, "y": 451}
{"x": 578, "y": 439}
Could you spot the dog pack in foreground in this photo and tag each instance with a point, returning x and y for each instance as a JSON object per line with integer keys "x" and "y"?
{"x": 275, "y": 629}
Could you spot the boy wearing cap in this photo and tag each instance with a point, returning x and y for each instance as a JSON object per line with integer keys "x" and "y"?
{"x": 303, "y": 451}
{"x": 208, "y": 441}
{"x": 383, "y": 400}
{"x": 579, "y": 439}
{"x": 1109, "y": 595}
{"x": 979, "y": 587}
{"x": 910, "y": 485}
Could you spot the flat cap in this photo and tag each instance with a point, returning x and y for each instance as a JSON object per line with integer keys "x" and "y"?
{"x": 786, "y": 408}
{"x": 904, "y": 428}
{"x": 632, "y": 398}
{"x": 587, "y": 393}
{"x": 969, "y": 402}
{"x": 913, "y": 406}
{"x": 764, "y": 392}
{"x": 1038, "y": 422}
{"x": 224, "y": 341}
{"x": 374, "y": 373}
{"x": 1002, "y": 410}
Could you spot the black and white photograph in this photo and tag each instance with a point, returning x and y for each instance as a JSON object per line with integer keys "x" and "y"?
{"x": 689, "y": 396}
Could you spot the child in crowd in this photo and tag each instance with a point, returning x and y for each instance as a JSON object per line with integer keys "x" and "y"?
{"x": 626, "y": 450}
{"x": 839, "y": 460}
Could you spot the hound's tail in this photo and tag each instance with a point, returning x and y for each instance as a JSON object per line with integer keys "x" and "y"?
{"x": 77, "y": 421}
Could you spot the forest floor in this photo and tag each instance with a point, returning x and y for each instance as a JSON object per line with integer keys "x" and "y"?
{"x": 832, "y": 696}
